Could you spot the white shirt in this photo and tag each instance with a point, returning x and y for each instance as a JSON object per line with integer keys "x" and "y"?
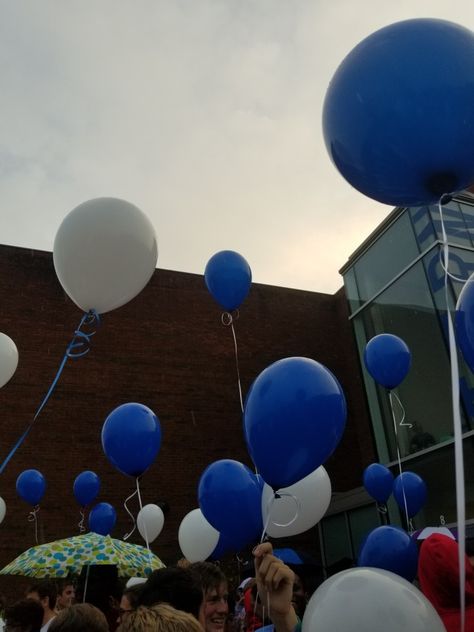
{"x": 46, "y": 625}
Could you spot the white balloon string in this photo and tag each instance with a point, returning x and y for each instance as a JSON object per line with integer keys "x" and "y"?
{"x": 144, "y": 522}
{"x": 33, "y": 517}
{"x": 82, "y": 520}
{"x": 399, "y": 460}
{"x": 278, "y": 496}
{"x": 228, "y": 319}
{"x": 402, "y": 422}
{"x": 127, "y": 535}
{"x": 267, "y": 521}
{"x": 458, "y": 447}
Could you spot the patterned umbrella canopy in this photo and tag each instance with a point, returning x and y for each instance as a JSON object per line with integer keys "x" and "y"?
{"x": 66, "y": 557}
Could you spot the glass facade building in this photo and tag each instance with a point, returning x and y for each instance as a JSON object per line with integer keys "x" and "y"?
{"x": 395, "y": 283}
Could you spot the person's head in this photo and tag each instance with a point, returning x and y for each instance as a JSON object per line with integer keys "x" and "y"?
{"x": 160, "y": 618}
{"x": 179, "y": 587}
{"x": 45, "y": 593}
{"x": 100, "y": 586}
{"x": 215, "y": 607}
{"x": 66, "y": 594}
{"x": 129, "y": 601}
{"x": 25, "y": 615}
{"x": 80, "y": 617}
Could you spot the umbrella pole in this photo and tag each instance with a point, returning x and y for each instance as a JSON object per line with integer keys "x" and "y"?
{"x": 85, "y": 584}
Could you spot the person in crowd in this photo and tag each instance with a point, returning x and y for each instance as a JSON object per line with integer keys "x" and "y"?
{"x": 215, "y": 607}
{"x": 45, "y": 593}
{"x": 438, "y": 574}
{"x": 25, "y": 615}
{"x": 66, "y": 594}
{"x": 129, "y": 601}
{"x": 179, "y": 587}
{"x": 160, "y": 618}
{"x": 80, "y": 617}
{"x": 100, "y": 586}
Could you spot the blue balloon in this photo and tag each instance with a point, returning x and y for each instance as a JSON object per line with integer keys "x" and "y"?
{"x": 131, "y": 438}
{"x": 228, "y": 278}
{"x": 412, "y": 488}
{"x": 230, "y": 499}
{"x": 388, "y": 359}
{"x": 378, "y": 481}
{"x": 102, "y": 518}
{"x": 86, "y": 487}
{"x": 294, "y": 417}
{"x": 224, "y": 545}
{"x": 391, "y": 549}
{"x": 30, "y": 486}
{"x": 398, "y": 120}
{"x": 464, "y": 320}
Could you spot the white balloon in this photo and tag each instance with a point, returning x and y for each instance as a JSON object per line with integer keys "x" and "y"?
{"x": 104, "y": 253}
{"x": 299, "y": 507}
{"x": 8, "y": 359}
{"x": 369, "y": 600}
{"x": 3, "y": 509}
{"x": 150, "y": 521}
{"x": 197, "y": 538}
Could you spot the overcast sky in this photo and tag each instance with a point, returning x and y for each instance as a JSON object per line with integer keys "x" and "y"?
{"x": 206, "y": 114}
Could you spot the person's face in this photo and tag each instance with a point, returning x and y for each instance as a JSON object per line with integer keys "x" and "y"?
{"x": 67, "y": 597}
{"x": 124, "y": 609}
{"x": 214, "y": 609}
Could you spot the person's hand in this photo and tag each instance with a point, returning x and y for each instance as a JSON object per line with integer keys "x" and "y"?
{"x": 275, "y": 587}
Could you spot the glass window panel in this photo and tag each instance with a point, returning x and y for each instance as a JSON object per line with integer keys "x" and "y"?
{"x": 423, "y": 226}
{"x": 361, "y": 521}
{"x": 352, "y": 292}
{"x": 336, "y": 540}
{"x": 454, "y": 223}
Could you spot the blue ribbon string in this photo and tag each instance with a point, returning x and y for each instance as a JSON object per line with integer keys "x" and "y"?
{"x": 77, "y": 348}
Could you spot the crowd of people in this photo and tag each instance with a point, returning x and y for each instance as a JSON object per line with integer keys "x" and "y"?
{"x": 195, "y": 597}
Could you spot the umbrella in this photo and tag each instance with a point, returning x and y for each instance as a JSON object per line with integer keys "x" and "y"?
{"x": 66, "y": 557}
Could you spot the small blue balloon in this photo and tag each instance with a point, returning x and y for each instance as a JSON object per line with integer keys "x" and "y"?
{"x": 228, "y": 278}
{"x": 391, "y": 549}
{"x": 378, "y": 481}
{"x": 411, "y": 488}
{"x": 230, "y": 499}
{"x": 398, "y": 120}
{"x": 294, "y": 418}
{"x": 464, "y": 320}
{"x": 30, "y": 486}
{"x": 131, "y": 438}
{"x": 86, "y": 487}
{"x": 388, "y": 359}
{"x": 102, "y": 518}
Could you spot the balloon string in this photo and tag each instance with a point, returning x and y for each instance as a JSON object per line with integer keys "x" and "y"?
{"x": 32, "y": 517}
{"x": 80, "y": 340}
{"x": 458, "y": 446}
{"x": 127, "y": 535}
{"x": 144, "y": 522}
{"x": 228, "y": 319}
{"x": 399, "y": 459}
{"x": 82, "y": 520}
{"x": 402, "y": 422}
{"x": 278, "y": 496}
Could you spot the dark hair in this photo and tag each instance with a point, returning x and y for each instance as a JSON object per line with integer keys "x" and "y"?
{"x": 45, "y": 588}
{"x": 80, "y": 617}
{"x": 178, "y": 587}
{"x": 133, "y": 595}
{"x": 26, "y": 613}
{"x": 100, "y": 582}
{"x": 210, "y": 574}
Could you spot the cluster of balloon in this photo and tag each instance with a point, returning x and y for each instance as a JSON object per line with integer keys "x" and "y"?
{"x": 8, "y": 359}
{"x": 30, "y": 487}
{"x": 392, "y": 549}
{"x": 378, "y": 482}
{"x": 230, "y": 496}
{"x": 86, "y": 489}
{"x": 384, "y": 117}
{"x": 228, "y": 278}
{"x": 368, "y": 599}
{"x": 102, "y": 518}
{"x": 131, "y": 440}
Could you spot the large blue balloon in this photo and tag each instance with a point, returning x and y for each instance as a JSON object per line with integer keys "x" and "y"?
{"x": 102, "y": 518}
{"x": 398, "y": 120}
{"x": 86, "y": 487}
{"x": 131, "y": 438}
{"x": 388, "y": 359}
{"x": 392, "y": 549}
{"x": 228, "y": 278}
{"x": 230, "y": 498}
{"x": 294, "y": 418}
{"x": 378, "y": 481}
{"x": 30, "y": 486}
{"x": 465, "y": 322}
{"x": 412, "y": 488}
